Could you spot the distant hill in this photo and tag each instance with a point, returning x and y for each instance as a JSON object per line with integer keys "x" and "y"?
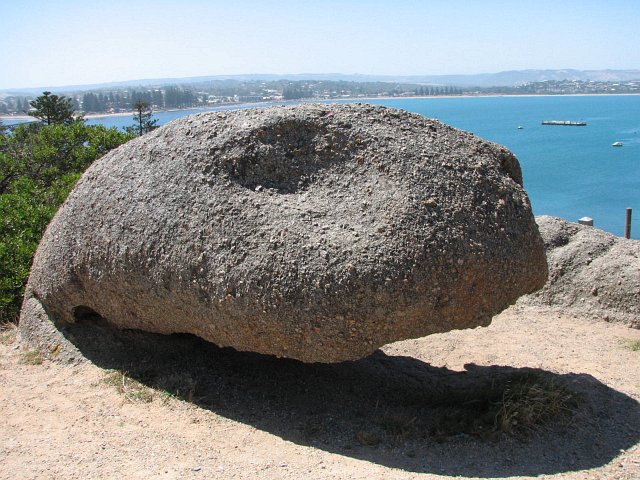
{"x": 510, "y": 78}
{"x": 518, "y": 77}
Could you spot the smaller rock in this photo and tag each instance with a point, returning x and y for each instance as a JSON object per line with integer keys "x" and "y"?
{"x": 592, "y": 273}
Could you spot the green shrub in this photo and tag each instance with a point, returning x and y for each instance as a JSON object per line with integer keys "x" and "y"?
{"x": 39, "y": 165}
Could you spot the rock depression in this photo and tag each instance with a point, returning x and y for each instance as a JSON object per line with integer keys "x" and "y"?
{"x": 315, "y": 232}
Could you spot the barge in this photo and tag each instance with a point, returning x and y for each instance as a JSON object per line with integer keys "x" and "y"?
{"x": 570, "y": 123}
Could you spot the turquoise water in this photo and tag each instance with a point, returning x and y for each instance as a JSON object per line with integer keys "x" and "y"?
{"x": 569, "y": 172}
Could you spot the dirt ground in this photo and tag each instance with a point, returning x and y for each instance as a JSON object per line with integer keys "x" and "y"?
{"x": 175, "y": 407}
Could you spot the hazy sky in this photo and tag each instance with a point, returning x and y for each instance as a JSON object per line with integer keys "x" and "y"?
{"x": 64, "y": 42}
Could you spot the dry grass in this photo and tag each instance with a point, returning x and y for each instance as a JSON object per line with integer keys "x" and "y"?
{"x": 8, "y": 333}
{"x": 369, "y": 439}
{"x": 132, "y": 390}
{"x": 400, "y": 425}
{"x": 31, "y": 357}
{"x": 530, "y": 402}
{"x": 516, "y": 405}
{"x": 145, "y": 386}
{"x": 176, "y": 385}
{"x": 633, "y": 345}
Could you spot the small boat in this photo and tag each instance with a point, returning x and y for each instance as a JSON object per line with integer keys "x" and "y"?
{"x": 616, "y": 144}
{"x": 520, "y": 127}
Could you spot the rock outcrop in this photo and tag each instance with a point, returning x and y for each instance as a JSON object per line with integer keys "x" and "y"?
{"x": 592, "y": 273}
{"x": 315, "y": 232}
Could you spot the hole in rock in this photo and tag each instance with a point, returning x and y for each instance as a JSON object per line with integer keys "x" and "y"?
{"x": 82, "y": 313}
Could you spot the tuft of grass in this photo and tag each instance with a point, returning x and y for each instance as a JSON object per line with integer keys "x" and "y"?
{"x": 529, "y": 402}
{"x": 516, "y": 405}
{"x": 368, "y": 439}
{"x": 633, "y": 345}
{"x": 175, "y": 385}
{"x": 163, "y": 387}
{"x": 8, "y": 333}
{"x": 400, "y": 426}
{"x": 132, "y": 390}
{"x": 31, "y": 357}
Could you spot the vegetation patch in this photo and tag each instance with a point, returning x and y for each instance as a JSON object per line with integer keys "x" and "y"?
{"x": 401, "y": 426}
{"x": 8, "y": 333}
{"x": 132, "y": 390}
{"x": 176, "y": 385}
{"x": 633, "y": 345}
{"x": 530, "y": 402}
{"x": 141, "y": 384}
{"x": 31, "y": 357}
{"x": 368, "y": 439}
{"x": 516, "y": 405}
{"x": 40, "y": 162}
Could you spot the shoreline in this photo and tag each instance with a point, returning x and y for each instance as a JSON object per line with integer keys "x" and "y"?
{"x": 4, "y": 118}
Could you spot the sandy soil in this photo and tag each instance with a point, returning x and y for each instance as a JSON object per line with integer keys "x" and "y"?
{"x": 217, "y": 413}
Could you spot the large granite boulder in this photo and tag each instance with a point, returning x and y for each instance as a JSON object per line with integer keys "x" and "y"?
{"x": 592, "y": 273}
{"x": 316, "y": 232}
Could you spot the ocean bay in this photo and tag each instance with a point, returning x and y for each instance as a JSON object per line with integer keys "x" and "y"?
{"x": 568, "y": 171}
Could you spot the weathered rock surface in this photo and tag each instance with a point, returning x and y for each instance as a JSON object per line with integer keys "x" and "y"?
{"x": 592, "y": 273}
{"x": 316, "y": 232}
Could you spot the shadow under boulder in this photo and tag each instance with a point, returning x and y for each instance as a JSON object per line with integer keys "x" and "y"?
{"x": 392, "y": 410}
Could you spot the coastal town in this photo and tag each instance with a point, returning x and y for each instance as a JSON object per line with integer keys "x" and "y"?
{"x": 230, "y": 92}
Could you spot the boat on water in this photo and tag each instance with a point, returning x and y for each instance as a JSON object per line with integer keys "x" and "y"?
{"x": 520, "y": 127}
{"x": 616, "y": 144}
{"x": 570, "y": 123}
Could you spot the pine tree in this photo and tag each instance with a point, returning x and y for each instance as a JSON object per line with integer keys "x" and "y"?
{"x": 53, "y": 109}
{"x": 142, "y": 117}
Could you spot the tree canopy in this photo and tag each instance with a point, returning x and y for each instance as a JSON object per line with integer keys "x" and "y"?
{"x": 53, "y": 109}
